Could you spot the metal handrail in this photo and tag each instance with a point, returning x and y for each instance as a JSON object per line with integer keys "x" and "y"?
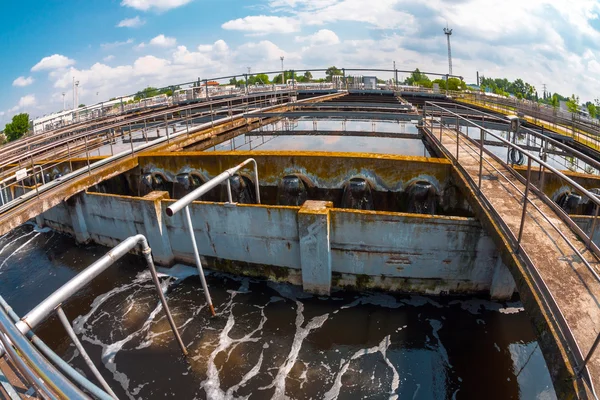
{"x": 583, "y": 366}
{"x": 69, "y": 371}
{"x": 118, "y": 156}
{"x": 184, "y": 203}
{"x": 47, "y": 381}
{"x": 587, "y": 159}
{"x": 33, "y": 318}
{"x": 580, "y": 128}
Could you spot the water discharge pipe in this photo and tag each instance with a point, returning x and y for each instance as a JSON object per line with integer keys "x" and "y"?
{"x": 202, "y": 190}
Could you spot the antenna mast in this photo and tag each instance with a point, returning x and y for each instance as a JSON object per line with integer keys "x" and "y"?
{"x": 448, "y": 33}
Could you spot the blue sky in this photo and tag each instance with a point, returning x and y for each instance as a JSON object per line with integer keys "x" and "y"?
{"x": 116, "y": 47}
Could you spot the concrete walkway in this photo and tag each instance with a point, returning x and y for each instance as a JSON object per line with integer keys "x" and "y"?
{"x": 574, "y": 288}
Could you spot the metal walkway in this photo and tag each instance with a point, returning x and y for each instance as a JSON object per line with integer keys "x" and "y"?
{"x": 22, "y": 207}
{"x": 559, "y": 261}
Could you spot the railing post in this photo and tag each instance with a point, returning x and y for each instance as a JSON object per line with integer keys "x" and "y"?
{"x": 481, "y": 139}
{"x": 131, "y": 140}
{"x": 457, "y": 139}
{"x": 87, "y": 155}
{"x": 198, "y": 261}
{"x": 543, "y": 168}
{"x": 69, "y": 155}
{"x": 593, "y": 230}
{"x": 34, "y": 179}
{"x": 71, "y": 333}
{"x": 589, "y": 356}
{"x": 441, "y": 119}
{"x": 525, "y": 200}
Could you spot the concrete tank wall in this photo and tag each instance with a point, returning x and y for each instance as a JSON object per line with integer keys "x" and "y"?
{"x": 315, "y": 245}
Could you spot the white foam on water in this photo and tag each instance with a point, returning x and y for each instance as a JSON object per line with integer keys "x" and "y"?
{"x": 212, "y": 383}
{"x": 7, "y": 245}
{"x": 178, "y": 271}
{"x": 109, "y": 351}
{"x": 511, "y": 310}
{"x": 301, "y": 334}
{"x": 18, "y": 249}
{"x": 382, "y": 347}
{"x": 436, "y": 326}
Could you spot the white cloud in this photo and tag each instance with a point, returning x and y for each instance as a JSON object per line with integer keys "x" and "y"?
{"x": 108, "y": 58}
{"x": 384, "y": 14}
{"x": 24, "y": 102}
{"x": 134, "y": 22}
{"x": 52, "y": 62}
{"x": 158, "y": 5}
{"x": 113, "y": 45}
{"x": 22, "y": 81}
{"x": 163, "y": 41}
{"x": 322, "y": 37}
{"x": 262, "y": 24}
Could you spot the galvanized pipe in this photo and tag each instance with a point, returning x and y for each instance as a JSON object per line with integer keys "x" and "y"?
{"x": 42, "y": 310}
{"x": 198, "y": 261}
{"x": 84, "y": 354}
{"x": 525, "y": 201}
{"x": 202, "y": 190}
{"x": 33, "y": 365}
{"x": 54, "y": 358}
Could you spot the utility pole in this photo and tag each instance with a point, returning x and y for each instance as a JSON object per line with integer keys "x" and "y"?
{"x": 282, "y": 71}
{"x": 448, "y": 33}
{"x": 73, "y": 91}
{"x": 76, "y": 103}
{"x": 544, "y": 86}
{"x": 63, "y": 94}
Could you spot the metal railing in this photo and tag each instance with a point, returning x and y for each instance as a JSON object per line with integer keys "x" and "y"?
{"x": 184, "y": 203}
{"x": 204, "y": 89}
{"x": 545, "y": 141}
{"x": 82, "y": 143}
{"x": 27, "y": 354}
{"x": 16, "y": 189}
{"x": 435, "y": 119}
{"x": 564, "y": 122}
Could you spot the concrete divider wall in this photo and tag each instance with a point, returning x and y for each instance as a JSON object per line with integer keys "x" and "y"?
{"x": 327, "y": 246}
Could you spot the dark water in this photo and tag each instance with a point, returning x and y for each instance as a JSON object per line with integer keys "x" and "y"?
{"x": 271, "y": 341}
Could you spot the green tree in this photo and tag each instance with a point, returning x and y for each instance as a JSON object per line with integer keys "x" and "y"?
{"x": 81, "y": 105}
{"x": 417, "y": 78}
{"x": 573, "y": 104}
{"x": 17, "y": 128}
{"x": 307, "y": 76}
{"x": 331, "y": 71}
{"x": 262, "y": 78}
{"x": 555, "y": 102}
{"x": 591, "y": 109}
{"x": 288, "y": 75}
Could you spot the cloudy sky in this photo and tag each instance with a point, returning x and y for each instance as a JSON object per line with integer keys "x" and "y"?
{"x": 116, "y": 47}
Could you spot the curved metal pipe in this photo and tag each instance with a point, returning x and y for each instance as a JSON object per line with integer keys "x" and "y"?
{"x": 33, "y": 365}
{"x": 42, "y": 310}
{"x": 54, "y": 358}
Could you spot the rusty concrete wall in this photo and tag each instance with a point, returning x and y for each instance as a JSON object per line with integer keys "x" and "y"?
{"x": 393, "y": 251}
{"x": 438, "y": 254}
{"x": 325, "y": 170}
